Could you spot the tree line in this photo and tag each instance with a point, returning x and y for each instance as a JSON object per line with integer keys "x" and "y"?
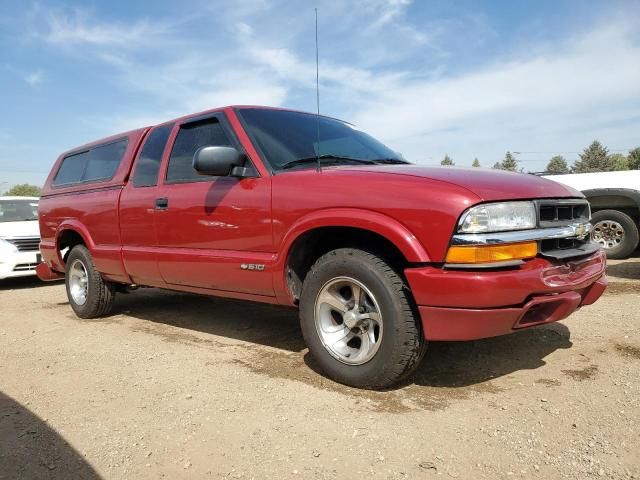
{"x": 23, "y": 190}
{"x": 594, "y": 158}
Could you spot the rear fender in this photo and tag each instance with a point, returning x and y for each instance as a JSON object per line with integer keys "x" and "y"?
{"x": 56, "y": 258}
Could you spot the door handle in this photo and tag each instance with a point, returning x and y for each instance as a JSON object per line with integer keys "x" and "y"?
{"x": 162, "y": 203}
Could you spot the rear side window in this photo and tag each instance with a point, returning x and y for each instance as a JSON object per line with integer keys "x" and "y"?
{"x": 190, "y": 138}
{"x": 148, "y": 164}
{"x": 99, "y": 163}
{"x": 72, "y": 169}
{"x": 104, "y": 160}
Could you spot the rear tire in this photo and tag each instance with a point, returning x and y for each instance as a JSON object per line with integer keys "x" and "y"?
{"x": 90, "y": 296}
{"x": 358, "y": 320}
{"x": 616, "y": 232}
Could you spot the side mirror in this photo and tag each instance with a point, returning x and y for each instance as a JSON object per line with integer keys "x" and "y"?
{"x": 218, "y": 161}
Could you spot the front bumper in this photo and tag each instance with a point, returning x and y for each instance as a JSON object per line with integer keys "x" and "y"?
{"x": 20, "y": 264}
{"x": 46, "y": 274}
{"x": 472, "y": 304}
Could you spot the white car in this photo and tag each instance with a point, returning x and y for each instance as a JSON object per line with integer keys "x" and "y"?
{"x": 615, "y": 207}
{"x": 19, "y": 236}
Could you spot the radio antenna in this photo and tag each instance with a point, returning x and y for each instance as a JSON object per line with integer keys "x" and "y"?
{"x": 318, "y": 167}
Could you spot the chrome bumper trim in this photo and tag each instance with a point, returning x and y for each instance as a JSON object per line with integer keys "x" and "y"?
{"x": 577, "y": 230}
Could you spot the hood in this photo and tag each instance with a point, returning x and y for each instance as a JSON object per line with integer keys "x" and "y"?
{"x": 29, "y": 228}
{"x": 486, "y": 184}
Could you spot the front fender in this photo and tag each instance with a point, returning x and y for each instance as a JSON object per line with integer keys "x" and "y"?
{"x": 375, "y": 222}
{"x": 369, "y": 220}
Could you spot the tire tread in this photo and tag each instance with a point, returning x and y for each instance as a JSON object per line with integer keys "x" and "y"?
{"x": 101, "y": 294}
{"x": 412, "y": 341}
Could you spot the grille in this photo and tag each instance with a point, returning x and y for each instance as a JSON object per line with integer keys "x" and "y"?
{"x": 559, "y": 213}
{"x": 25, "y": 244}
{"x": 561, "y": 244}
{"x": 25, "y": 267}
{"x": 555, "y": 213}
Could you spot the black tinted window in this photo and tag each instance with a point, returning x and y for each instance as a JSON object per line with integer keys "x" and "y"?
{"x": 104, "y": 160}
{"x": 190, "y": 138}
{"x": 99, "y": 163}
{"x": 148, "y": 164}
{"x": 72, "y": 169}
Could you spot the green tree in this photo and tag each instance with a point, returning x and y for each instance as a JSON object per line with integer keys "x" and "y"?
{"x": 634, "y": 159}
{"x": 618, "y": 162}
{"x": 557, "y": 165}
{"x": 476, "y": 162}
{"x": 24, "y": 190}
{"x": 447, "y": 161}
{"x": 510, "y": 163}
{"x": 594, "y": 158}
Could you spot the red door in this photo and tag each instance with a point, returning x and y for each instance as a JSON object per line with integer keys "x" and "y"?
{"x": 213, "y": 232}
{"x": 137, "y": 210}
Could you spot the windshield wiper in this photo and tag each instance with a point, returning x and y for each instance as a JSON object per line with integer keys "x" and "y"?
{"x": 334, "y": 158}
{"x": 390, "y": 161}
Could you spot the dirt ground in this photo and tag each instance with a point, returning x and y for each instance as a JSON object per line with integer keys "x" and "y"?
{"x": 175, "y": 386}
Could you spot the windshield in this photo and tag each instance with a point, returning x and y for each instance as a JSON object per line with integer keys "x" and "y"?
{"x": 284, "y": 137}
{"x": 18, "y": 210}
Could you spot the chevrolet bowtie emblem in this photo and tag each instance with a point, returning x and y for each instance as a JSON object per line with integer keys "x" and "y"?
{"x": 582, "y": 230}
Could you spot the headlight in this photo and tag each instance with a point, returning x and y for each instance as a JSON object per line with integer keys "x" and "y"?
{"x": 498, "y": 217}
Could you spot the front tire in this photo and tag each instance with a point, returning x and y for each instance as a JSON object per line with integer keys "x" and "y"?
{"x": 616, "y": 232}
{"x": 90, "y": 296}
{"x": 358, "y": 320}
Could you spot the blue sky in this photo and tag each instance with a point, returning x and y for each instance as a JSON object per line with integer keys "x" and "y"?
{"x": 426, "y": 77}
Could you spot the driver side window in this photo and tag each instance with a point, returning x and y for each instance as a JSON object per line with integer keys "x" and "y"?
{"x": 191, "y": 137}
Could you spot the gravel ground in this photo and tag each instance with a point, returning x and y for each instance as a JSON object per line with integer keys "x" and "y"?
{"x": 175, "y": 385}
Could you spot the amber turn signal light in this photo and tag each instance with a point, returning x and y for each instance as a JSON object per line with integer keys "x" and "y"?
{"x": 491, "y": 253}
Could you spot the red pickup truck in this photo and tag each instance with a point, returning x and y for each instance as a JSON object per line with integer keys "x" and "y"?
{"x": 290, "y": 208}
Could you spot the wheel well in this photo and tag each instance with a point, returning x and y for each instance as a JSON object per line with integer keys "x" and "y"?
{"x": 66, "y": 241}
{"x": 311, "y": 245}
{"x": 620, "y": 203}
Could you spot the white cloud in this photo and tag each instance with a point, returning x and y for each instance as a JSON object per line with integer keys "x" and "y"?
{"x": 114, "y": 60}
{"x": 292, "y": 70}
{"x": 522, "y": 102}
{"x": 73, "y": 27}
{"x": 543, "y": 97}
{"x": 197, "y": 82}
{"x": 182, "y": 80}
{"x": 244, "y": 92}
{"x": 244, "y": 28}
{"x": 34, "y": 79}
{"x": 388, "y": 10}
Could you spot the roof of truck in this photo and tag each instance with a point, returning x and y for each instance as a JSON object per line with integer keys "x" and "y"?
{"x": 99, "y": 141}
{"x": 9, "y": 197}
{"x": 629, "y": 179}
{"x": 181, "y": 119}
{"x": 238, "y": 107}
